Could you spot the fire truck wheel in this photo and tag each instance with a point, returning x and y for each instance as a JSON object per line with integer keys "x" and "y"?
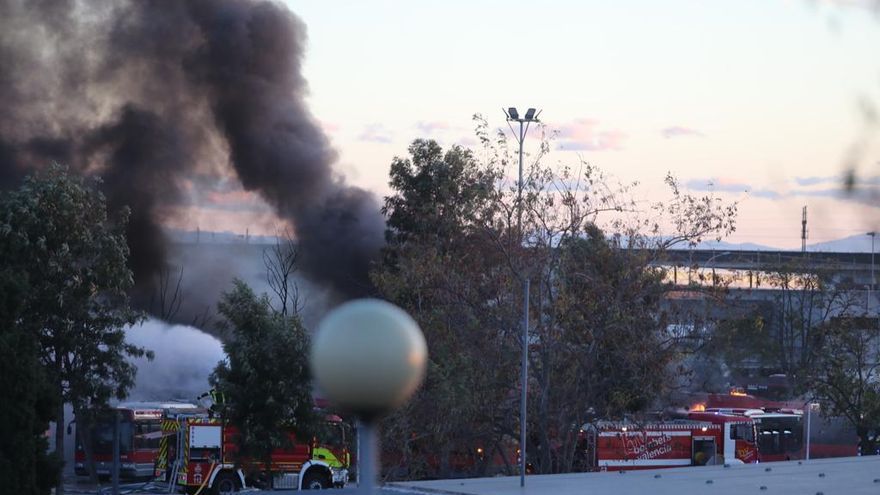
{"x": 316, "y": 481}
{"x": 225, "y": 483}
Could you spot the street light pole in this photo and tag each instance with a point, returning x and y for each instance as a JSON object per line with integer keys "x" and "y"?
{"x": 530, "y": 116}
{"x": 873, "y": 234}
{"x": 809, "y": 407}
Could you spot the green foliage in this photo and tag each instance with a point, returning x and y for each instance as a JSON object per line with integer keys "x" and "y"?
{"x": 28, "y": 401}
{"x": 741, "y": 342}
{"x": 265, "y": 379}
{"x": 791, "y": 332}
{"x": 55, "y": 230}
{"x": 847, "y": 380}
{"x": 806, "y": 301}
{"x": 456, "y": 260}
{"x": 436, "y": 194}
{"x": 611, "y": 344}
{"x": 442, "y": 267}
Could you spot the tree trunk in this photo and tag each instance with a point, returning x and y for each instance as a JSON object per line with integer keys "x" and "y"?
{"x": 84, "y": 432}
{"x": 508, "y": 468}
{"x": 445, "y": 468}
{"x": 867, "y": 444}
{"x": 59, "y": 445}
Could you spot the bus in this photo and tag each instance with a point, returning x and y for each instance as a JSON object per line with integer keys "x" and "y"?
{"x": 140, "y": 430}
{"x": 780, "y": 436}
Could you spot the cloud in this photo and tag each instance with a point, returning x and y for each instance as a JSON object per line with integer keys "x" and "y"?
{"x": 235, "y": 201}
{"x": 329, "y": 127}
{"x": 812, "y": 181}
{"x": 431, "y": 127}
{"x": 720, "y": 185}
{"x": 376, "y": 133}
{"x": 865, "y": 192}
{"x": 766, "y": 194}
{"x": 680, "y": 131}
{"x": 221, "y": 193}
{"x": 859, "y": 181}
{"x": 869, "y": 196}
{"x": 838, "y": 181}
{"x": 467, "y": 142}
{"x": 586, "y": 135}
{"x": 731, "y": 186}
{"x": 863, "y": 4}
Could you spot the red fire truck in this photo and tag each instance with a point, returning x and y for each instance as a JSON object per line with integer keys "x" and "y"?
{"x": 204, "y": 459}
{"x": 140, "y": 428}
{"x": 713, "y": 439}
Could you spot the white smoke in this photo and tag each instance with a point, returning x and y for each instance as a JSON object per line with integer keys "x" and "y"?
{"x": 184, "y": 358}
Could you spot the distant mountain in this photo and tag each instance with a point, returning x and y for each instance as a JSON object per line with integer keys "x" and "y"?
{"x": 852, "y": 244}
{"x": 733, "y": 246}
{"x": 860, "y": 243}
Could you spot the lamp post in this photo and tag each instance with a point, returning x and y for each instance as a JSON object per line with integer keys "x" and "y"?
{"x": 369, "y": 357}
{"x": 873, "y": 234}
{"x": 809, "y": 410}
{"x": 524, "y": 122}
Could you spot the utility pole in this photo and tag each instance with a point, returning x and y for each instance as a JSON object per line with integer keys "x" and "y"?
{"x": 530, "y": 116}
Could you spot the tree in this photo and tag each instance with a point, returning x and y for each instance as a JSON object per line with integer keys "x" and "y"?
{"x": 456, "y": 260}
{"x": 440, "y": 266}
{"x": 265, "y": 379}
{"x": 789, "y": 331}
{"x": 28, "y": 402}
{"x": 437, "y": 194}
{"x": 847, "y": 380}
{"x": 806, "y": 300}
{"x": 55, "y": 229}
{"x": 603, "y": 350}
{"x": 282, "y": 262}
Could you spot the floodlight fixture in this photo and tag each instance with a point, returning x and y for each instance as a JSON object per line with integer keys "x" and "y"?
{"x": 512, "y": 113}
{"x": 530, "y": 114}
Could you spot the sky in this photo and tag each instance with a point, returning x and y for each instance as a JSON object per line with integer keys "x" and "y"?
{"x": 765, "y": 102}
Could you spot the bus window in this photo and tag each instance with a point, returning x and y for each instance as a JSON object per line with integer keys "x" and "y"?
{"x": 142, "y": 437}
{"x": 768, "y": 442}
{"x": 742, "y": 432}
{"x": 102, "y": 437}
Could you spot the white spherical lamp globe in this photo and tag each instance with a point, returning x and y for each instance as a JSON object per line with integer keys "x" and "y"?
{"x": 368, "y": 356}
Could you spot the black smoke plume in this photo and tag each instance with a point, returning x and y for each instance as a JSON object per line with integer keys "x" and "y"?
{"x": 151, "y": 93}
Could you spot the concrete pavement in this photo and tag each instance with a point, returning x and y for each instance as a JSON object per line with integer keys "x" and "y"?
{"x": 840, "y": 476}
